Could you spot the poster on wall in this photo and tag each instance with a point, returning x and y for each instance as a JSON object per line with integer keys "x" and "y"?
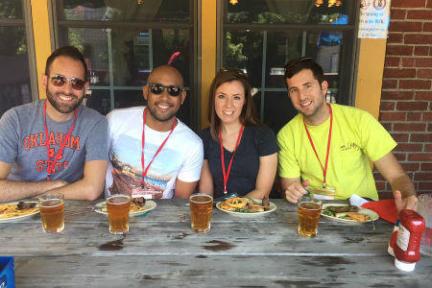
{"x": 374, "y": 19}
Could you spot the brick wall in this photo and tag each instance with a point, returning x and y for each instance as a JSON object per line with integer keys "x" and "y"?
{"x": 406, "y": 100}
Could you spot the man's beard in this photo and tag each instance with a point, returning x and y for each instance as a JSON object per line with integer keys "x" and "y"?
{"x": 61, "y": 107}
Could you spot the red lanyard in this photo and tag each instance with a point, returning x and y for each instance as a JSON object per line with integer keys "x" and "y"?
{"x": 225, "y": 173}
{"x": 51, "y": 166}
{"x": 145, "y": 169}
{"x": 324, "y": 168}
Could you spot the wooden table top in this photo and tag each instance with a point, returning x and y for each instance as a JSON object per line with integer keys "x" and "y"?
{"x": 161, "y": 250}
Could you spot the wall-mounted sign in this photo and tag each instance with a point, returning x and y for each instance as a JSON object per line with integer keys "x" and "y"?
{"x": 374, "y": 18}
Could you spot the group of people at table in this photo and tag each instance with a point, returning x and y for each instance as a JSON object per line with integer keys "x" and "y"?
{"x": 59, "y": 145}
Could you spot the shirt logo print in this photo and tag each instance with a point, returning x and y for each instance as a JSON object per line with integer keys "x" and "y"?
{"x": 349, "y": 147}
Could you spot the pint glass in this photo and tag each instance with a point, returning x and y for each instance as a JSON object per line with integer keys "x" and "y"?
{"x": 52, "y": 212}
{"x": 308, "y": 213}
{"x": 201, "y": 207}
{"x": 118, "y": 206}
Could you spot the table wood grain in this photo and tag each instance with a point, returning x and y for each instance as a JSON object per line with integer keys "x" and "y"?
{"x": 161, "y": 251}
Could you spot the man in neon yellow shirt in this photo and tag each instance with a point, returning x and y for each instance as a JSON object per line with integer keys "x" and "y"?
{"x": 331, "y": 147}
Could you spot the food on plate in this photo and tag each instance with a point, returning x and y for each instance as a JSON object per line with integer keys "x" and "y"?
{"x": 234, "y": 203}
{"x": 356, "y": 216}
{"x": 332, "y": 210}
{"x": 266, "y": 203}
{"x": 255, "y": 208}
{"x": 346, "y": 212}
{"x": 239, "y": 204}
{"x": 10, "y": 210}
{"x": 138, "y": 201}
{"x": 137, "y": 205}
{"x": 25, "y": 205}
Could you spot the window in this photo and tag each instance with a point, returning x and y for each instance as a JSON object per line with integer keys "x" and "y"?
{"x": 260, "y": 36}
{"x": 15, "y": 83}
{"x": 123, "y": 40}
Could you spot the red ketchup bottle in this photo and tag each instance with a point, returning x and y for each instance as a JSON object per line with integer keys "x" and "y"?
{"x": 393, "y": 238}
{"x": 407, "y": 246}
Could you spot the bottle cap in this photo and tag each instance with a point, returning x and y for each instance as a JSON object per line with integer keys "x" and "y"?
{"x": 404, "y": 266}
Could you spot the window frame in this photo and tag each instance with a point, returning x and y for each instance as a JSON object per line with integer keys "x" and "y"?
{"x": 26, "y": 22}
{"x": 192, "y": 26}
{"x": 349, "y": 55}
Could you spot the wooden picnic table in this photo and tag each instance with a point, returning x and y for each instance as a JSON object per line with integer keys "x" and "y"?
{"x": 161, "y": 251}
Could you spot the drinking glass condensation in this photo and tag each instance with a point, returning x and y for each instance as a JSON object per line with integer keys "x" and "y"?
{"x": 118, "y": 206}
{"x": 308, "y": 213}
{"x": 201, "y": 207}
{"x": 52, "y": 212}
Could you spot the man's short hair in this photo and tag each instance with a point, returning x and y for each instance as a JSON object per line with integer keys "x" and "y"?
{"x": 294, "y": 66}
{"x": 66, "y": 51}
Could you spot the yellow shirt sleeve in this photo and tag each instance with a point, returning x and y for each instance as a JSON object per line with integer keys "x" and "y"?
{"x": 287, "y": 160}
{"x": 376, "y": 141}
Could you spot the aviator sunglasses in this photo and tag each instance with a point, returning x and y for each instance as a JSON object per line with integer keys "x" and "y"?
{"x": 60, "y": 80}
{"x": 157, "y": 89}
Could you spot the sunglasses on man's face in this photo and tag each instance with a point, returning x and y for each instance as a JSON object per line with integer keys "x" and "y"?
{"x": 157, "y": 89}
{"x": 60, "y": 80}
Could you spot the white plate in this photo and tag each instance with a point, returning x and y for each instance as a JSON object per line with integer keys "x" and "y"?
{"x": 149, "y": 205}
{"x": 372, "y": 214}
{"x": 24, "y": 215}
{"x": 273, "y": 207}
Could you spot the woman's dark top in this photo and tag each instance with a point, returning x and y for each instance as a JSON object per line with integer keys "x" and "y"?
{"x": 256, "y": 141}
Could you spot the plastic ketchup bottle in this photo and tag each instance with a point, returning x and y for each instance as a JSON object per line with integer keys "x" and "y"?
{"x": 393, "y": 238}
{"x": 407, "y": 246}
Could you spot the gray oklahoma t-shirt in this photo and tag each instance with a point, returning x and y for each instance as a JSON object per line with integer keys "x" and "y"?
{"x": 22, "y": 142}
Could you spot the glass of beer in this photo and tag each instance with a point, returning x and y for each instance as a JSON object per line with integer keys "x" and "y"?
{"x": 308, "y": 213}
{"x": 118, "y": 206}
{"x": 52, "y": 212}
{"x": 201, "y": 207}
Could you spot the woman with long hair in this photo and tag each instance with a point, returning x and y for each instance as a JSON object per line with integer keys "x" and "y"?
{"x": 240, "y": 154}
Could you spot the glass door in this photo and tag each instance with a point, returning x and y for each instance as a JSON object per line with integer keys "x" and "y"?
{"x": 123, "y": 40}
{"x": 260, "y": 36}
{"x": 15, "y": 80}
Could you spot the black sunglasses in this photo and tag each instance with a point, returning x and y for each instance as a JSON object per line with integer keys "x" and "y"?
{"x": 295, "y": 62}
{"x": 60, "y": 80}
{"x": 236, "y": 72}
{"x": 158, "y": 88}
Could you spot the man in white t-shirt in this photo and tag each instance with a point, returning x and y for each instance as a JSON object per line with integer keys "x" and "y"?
{"x": 152, "y": 153}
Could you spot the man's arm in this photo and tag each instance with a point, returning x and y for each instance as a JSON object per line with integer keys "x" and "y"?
{"x": 15, "y": 190}
{"x": 184, "y": 189}
{"x": 90, "y": 186}
{"x": 190, "y": 170}
{"x": 11, "y": 190}
{"x": 293, "y": 188}
{"x": 402, "y": 187}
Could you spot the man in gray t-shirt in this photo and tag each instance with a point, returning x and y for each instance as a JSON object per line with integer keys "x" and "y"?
{"x": 55, "y": 145}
